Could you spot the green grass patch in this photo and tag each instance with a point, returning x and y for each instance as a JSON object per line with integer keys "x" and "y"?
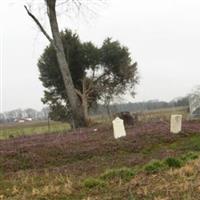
{"x": 93, "y": 183}
{"x": 191, "y": 143}
{"x": 189, "y": 156}
{"x": 154, "y": 166}
{"x": 173, "y": 162}
{"x": 122, "y": 173}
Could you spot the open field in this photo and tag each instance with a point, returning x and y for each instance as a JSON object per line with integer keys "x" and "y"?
{"x": 149, "y": 163}
{"x": 10, "y": 130}
{"x": 151, "y": 115}
{"x": 164, "y": 114}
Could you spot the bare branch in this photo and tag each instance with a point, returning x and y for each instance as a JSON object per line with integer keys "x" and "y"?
{"x": 77, "y": 4}
{"x": 89, "y": 90}
{"x": 102, "y": 76}
{"x": 39, "y": 25}
{"x": 79, "y": 93}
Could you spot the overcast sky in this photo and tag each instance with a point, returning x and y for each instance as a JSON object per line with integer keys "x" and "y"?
{"x": 163, "y": 37}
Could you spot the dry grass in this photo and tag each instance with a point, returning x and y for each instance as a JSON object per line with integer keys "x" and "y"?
{"x": 174, "y": 184}
{"x": 33, "y": 185}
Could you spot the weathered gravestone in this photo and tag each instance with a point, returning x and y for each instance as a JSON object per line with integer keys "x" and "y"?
{"x": 176, "y": 123}
{"x": 128, "y": 119}
{"x": 118, "y": 128}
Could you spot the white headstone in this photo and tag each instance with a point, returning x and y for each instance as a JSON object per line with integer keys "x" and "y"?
{"x": 176, "y": 123}
{"x": 118, "y": 127}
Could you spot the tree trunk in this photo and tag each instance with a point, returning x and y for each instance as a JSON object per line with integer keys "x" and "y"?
{"x": 85, "y": 108}
{"x": 77, "y": 109}
{"x": 107, "y": 104}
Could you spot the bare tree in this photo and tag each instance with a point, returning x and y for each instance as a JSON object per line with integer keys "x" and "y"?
{"x": 75, "y": 102}
{"x": 194, "y": 101}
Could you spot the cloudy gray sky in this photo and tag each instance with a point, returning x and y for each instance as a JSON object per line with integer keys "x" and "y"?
{"x": 163, "y": 37}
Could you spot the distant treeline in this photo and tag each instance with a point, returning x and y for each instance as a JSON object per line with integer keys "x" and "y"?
{"x": 19, "y": 114}
{"x": 99, "y": 109}
{"x": 139, "y": 106}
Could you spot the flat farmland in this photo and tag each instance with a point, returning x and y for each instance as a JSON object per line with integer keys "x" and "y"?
{"x": 10, "y": 130}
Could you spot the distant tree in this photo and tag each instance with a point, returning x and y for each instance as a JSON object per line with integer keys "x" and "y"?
{"x": 184, "y": 101}
{"x": 30, "y": 113}
{"x": 194, "y": 101}
{"x": 45, "y": 112}
{"x": 2, "y": 118}
{"x": 97, "y": 73}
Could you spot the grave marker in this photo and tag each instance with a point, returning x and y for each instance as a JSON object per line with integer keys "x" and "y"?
{"x": 118, "y": 128}
{"x": 176, "y": 123}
